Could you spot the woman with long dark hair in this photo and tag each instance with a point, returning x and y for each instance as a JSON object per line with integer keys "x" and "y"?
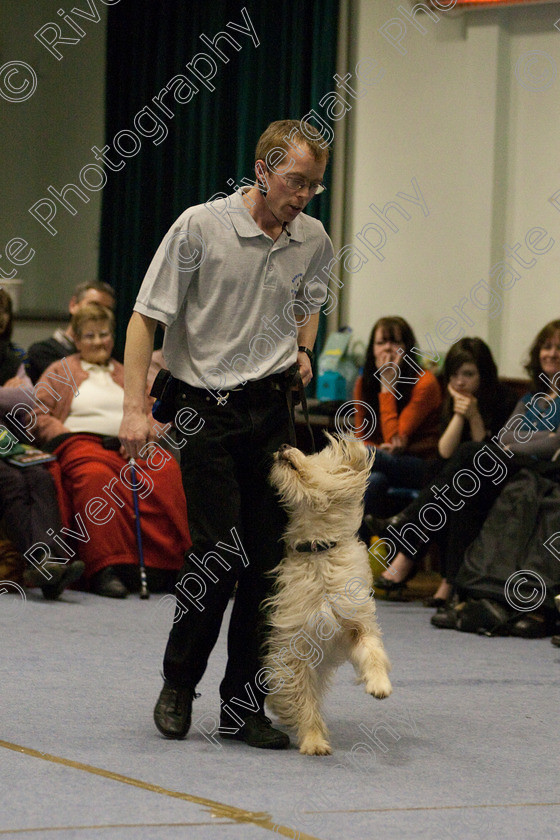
{"x": 405, "y": 401}
{"x": 472, "y": 407}
{"x": 12, "y": 371}
{"x": 475, "y": 407}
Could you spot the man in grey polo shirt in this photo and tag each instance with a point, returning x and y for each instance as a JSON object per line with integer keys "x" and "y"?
{"x": 238, "y": 282}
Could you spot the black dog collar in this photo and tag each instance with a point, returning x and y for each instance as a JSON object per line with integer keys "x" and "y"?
{"x": 313, "y": 547}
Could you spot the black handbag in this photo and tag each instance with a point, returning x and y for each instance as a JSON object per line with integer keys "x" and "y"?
{"x": 485, "y": 617}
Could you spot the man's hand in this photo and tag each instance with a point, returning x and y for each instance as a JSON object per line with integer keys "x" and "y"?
{"x": 134, "y": 432}
{"x": 135, "y": 426}
{"x": 305, "y": 369}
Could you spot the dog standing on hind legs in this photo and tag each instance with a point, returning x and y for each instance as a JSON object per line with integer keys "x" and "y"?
{"x": 322, "y": 612}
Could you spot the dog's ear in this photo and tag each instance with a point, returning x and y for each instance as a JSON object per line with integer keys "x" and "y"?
{"x": 357, "y": 455}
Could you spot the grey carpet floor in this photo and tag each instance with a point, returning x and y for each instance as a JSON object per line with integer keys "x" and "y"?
{"x": 466, "y": 747}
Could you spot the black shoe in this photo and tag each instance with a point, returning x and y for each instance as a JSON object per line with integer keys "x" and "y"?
{"x": 555, "y": 641}
{"x": 376, "y": 525}
{"x": 70, "y": 573}
{"x": 389, "y": 587}
{"x": 393, "y": 587}
{"x": 62, "y": 575}
{"x": 34, "y": 577}
{"x": 531, "y": 626}
{"x": 435, "y": 603}
{"x": 173, "y": 711}
{"x": 106, "y": 583}
{"x": 445, "y": 617}
{"x": 485, "y": 617}
{"x": 257, "y": 731}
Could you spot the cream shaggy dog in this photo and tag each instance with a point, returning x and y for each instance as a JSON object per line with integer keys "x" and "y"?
{"x": 322, "y": 612}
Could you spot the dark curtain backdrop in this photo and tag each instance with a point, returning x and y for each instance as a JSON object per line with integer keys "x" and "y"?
{"x": 211, "y": 138}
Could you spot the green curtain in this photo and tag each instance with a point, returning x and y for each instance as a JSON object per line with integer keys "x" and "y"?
{"x": 210, "y": 139}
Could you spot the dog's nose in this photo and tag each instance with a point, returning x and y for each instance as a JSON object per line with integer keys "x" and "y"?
{"x": 284, "y": 447}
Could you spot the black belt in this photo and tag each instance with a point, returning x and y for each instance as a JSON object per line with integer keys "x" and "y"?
{"x": 166, "y": 386}
{"x": 284, "y": 382}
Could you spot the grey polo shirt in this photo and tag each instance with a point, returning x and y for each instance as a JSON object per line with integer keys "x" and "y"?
{"x": 230, "y": 296}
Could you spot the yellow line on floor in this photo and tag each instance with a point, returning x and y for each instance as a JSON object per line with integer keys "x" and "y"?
{"x": 434, "y": 808}
{"x": 111, "y": 825}
{"x": 218, "y": 809}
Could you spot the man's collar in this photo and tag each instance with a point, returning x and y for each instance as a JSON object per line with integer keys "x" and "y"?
{"x": 246, "y": 226}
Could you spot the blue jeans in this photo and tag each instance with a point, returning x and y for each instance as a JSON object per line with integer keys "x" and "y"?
{"x": 402, "y": 471}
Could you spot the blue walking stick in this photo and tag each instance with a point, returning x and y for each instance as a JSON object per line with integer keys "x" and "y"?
{"x": 144, "y": 591}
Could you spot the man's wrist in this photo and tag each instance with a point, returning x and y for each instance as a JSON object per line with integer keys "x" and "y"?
{"x": 133, "y": 406}
{"x": 309, "y": 353}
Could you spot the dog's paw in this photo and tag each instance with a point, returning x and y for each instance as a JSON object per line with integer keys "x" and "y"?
{"x": 380, "y": 686}
{"x": 315, "y": 745}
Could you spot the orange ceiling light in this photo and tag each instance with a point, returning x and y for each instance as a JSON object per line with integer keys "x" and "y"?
{"x": 465, "y": 5}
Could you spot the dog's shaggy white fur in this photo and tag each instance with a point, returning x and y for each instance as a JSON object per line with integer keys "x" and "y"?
{"x": 322, "y": 612}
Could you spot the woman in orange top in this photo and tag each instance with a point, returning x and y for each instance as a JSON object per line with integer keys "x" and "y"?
{"x": 398, "y": 411}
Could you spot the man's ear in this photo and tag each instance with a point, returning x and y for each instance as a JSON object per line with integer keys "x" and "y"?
{"x": 73, "y": 305}
{"x": 262, "y": 181}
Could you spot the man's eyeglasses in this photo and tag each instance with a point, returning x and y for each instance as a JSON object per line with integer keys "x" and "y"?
{"x": 296, "y": 184}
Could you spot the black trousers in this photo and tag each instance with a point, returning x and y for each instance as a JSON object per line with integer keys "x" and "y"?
{"x": 225, "y": 467}
{"x": 28, "y": 506}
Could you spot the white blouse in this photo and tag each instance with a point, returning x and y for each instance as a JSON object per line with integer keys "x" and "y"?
{"x": 98, "y": 407}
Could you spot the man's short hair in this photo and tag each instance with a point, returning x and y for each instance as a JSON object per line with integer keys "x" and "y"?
{"x": 98, "y": 285}
{"x": 283, "y": 134}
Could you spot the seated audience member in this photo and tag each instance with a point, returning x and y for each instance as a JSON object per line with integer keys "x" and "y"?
{"x": 29, "y": 511}
{"x": 28, "y": 505}
{"x": 407, "y": 413}
{"x": 475, "y": 407}
{"x": 476, "y": 404}
{"x": 475, "y": 475}
{"x": 43, "y": 353}
{"x": 12, "y": 370}
{"x": 76, "y": 429}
